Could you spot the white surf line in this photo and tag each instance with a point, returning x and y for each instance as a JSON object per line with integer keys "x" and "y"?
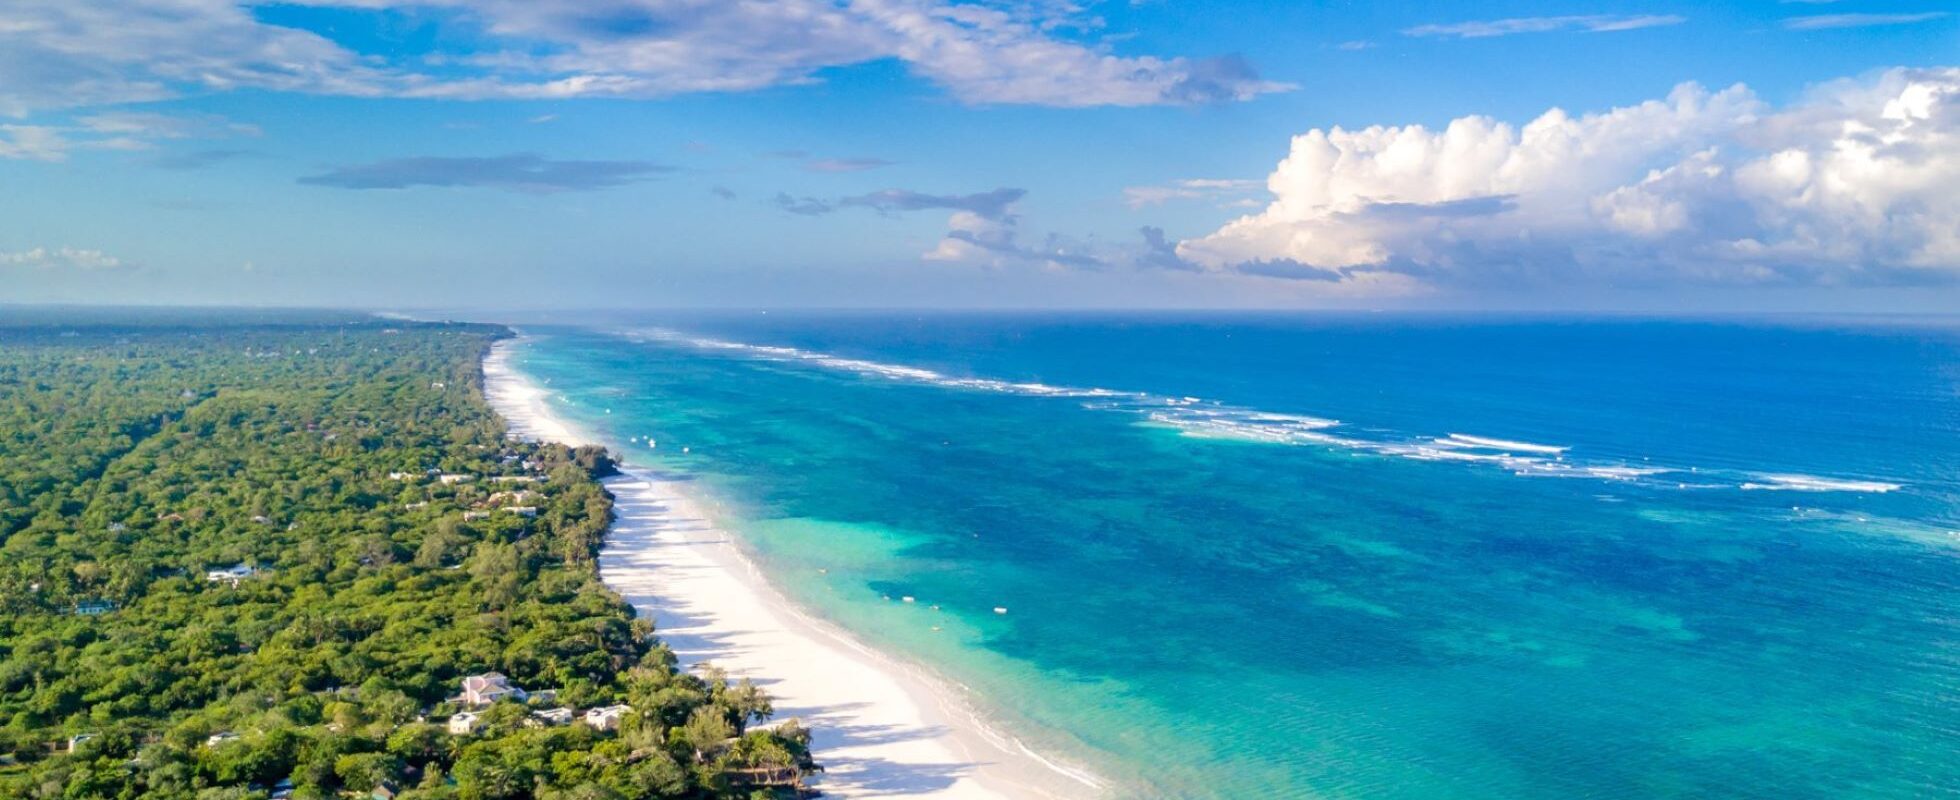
{"x": 1211, "y": 419}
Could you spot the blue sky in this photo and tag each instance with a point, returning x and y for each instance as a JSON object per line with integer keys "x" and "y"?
{"x": 561, "y": 154}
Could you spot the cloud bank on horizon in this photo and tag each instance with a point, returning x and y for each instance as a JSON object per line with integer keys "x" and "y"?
{"x": 1857, "y": 183}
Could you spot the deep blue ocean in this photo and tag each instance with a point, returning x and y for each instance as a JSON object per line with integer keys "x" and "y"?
{"x": 1364, "y": 556}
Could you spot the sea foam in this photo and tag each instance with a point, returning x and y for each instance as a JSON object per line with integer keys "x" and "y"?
{"x": 1201, "y": 418}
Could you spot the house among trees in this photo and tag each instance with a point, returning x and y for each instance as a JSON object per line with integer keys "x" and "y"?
{"x": 90, "y": 608}
{"x": 384, "y": 790}
{"x": 234, "y": 573}
{"x": 606, "y": 718}
{"x": 220, "y": 738}
{"x": 462, "y": 724}
{"x": 553, "y": 716}
{"x": 77, "y": 740}
{"x": 522, "y": 511}
{"x": 482, "y": 690}
{"x": 455, "y": 477}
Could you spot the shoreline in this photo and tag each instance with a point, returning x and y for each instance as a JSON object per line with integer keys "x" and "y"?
{"x": 880, "y": 727}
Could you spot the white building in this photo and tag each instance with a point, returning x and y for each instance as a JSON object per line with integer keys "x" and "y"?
{"x": 606, "y": 718}
{"x": 462, "y": 724}
{"x": 554, "y": 716}
{"x": 490, "y": 687}
{"x": 234, "y": 573}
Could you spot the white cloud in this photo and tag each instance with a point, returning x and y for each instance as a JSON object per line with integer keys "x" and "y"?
{"x": 33, "y": 142}
{"x": 1225, "y": 191}
{"x": 1591, "y": 23}
{"x": 56, "y": 53}
{"x": 111, "y": 131}
{"x": 61, "y": 258}
{"x": 1834, "y": 21}
{"x": 1853, "y": 184}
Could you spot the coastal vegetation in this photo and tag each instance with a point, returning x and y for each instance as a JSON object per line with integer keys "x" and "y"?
{"x": 255, "y": 558}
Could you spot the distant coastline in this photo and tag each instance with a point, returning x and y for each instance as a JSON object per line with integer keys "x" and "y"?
{"x": 880, "y": 729}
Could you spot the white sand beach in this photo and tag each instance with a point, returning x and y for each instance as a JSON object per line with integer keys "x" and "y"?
{"x": 880, "y": 728}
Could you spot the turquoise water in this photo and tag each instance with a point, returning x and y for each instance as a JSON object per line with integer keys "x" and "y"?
{"x": 1354, "y": 557}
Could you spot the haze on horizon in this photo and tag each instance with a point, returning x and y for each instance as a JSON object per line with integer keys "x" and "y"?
{"x": 557, "y": 154}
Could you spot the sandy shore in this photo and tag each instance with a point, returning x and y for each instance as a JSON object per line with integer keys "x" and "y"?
{"x": 880, "y": 729}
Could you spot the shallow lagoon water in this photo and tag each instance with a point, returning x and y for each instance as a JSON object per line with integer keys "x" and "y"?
{"x": 1353, "y": 557}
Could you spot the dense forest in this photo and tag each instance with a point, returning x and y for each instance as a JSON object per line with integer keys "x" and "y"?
{"x": 252, "y": 558}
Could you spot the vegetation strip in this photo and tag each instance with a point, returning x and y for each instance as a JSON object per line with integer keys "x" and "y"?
{"x": 302, "y": 559}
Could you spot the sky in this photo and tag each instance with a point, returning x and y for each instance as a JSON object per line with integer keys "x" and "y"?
{"x": 1801, "y": 155}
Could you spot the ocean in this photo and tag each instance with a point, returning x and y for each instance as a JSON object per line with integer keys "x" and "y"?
{"x": 1351, "y": 556}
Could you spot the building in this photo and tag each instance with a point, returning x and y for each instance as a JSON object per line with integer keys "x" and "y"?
{"x": 522, "y": 511}
{"x": 455, "y": 477}
{"x": 553, "y": 716}
{"x": 234, "y": 573}
{"x": 462, "y": 724}
{"x": 220, "y": 738}
{"x": 606, "y": 718}
{"x": 384, "y": 791}
{"x": 77, "y": 740}
{"x": 490, "y": 687}
{"x": 90, "y": 608}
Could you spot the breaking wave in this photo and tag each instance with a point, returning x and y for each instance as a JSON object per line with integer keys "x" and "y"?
{"x": 1210, "y": 419}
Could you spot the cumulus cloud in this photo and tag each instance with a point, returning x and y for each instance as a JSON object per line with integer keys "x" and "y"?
{"x": 983, "y": 227}
{"x": 56, "y": 53}
{"x": 996, "y": 241}
{"x": 66, "y": 258}
{"x": 1592, "y": 23}
{"x": 521, "y": 172}
{"x": 1853, "y": 184}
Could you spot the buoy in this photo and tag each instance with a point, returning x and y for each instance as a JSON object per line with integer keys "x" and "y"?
{"x": 683, "y": 449}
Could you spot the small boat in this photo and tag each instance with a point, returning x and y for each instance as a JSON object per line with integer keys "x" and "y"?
{"x": 909, "y": 599}
{"x": 1000, "y": 609}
